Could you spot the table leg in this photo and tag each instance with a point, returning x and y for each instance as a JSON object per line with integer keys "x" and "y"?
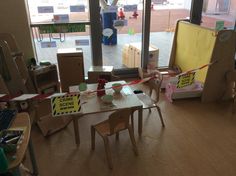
{"x": 76, "y": 130}
{"x": 32, "y": 158}
{"x": 140, "y": 121}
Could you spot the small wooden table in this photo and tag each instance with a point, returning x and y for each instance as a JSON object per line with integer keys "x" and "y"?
{"x": 22, "y": 120}
{"x": 94, "y": 104}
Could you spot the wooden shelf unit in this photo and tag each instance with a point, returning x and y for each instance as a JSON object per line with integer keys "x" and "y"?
{"x": 45, "y": 79}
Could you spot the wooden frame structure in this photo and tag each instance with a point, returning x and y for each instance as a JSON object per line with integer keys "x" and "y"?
{"x": 194, "y": 46}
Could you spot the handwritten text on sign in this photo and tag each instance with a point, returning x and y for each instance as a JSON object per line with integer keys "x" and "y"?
{"x": 185, "y": 80}
{"x": 67, "y": 104}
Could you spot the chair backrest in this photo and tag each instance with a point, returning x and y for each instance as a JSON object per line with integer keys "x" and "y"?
{"x": 119, "y": 120}
{"x": 9, "y": 70}
{"x": 155, "y": 86}
{"x": 3, "y": 87}
{"x": 11, "y": 41}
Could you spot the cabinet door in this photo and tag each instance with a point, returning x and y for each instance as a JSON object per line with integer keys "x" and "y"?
{"x": 71, "y": 71}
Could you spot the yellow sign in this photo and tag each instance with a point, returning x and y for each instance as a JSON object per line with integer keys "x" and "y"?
{"x": 67, "y": 104}
{"x": 185, "y": 80}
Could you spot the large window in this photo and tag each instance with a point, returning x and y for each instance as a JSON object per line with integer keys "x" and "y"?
{"x": 119, "y": 49}
{"x": 60, "y": 24}
{"x": 164, "y": 16}
{"x": 218, "y": 14}
{"x": 44, "y": 10}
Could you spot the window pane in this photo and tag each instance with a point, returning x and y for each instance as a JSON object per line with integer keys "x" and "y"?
{"x": 117, "y": 50}
{"x": 219, "y": 13}
{"x": 44, "y": 10}
{"x": 164, "y": 16}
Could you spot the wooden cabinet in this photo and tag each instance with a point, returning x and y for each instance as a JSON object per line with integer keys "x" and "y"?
{"x": 71, "y": 67}
{"x": 45, "y": 79}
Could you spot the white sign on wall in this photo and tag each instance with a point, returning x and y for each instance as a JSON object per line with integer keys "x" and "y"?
{"x": 120, "y": 23}
{"x": 61, "y": 18}
{"x": 77, "y": 8}
{"x": 110, "y": 9}
{"x": 45, "y": 9}
{"x": 84, "y": 42}
{"x": 51, "y": 44}
{"x": 130, "y": 8}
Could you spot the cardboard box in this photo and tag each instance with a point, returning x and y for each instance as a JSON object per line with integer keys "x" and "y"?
{"x": 96, "y": 72}
{"x": 132, "y": 55}
{"x": 125, "y": 55}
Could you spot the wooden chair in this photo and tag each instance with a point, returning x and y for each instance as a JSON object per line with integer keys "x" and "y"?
{"x": 117, "y": 122}
{"x": 231, "y": 87}
{"x": 11, "y": 41}
{"x": 151, "y": 100}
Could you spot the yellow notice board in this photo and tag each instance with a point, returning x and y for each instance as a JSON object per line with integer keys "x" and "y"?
{"x": 194, "y": 48}
{"x": 66, "y": 104}
{"x": 185, "y": 80}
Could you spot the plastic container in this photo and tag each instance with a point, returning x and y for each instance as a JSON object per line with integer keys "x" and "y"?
{"x": 117, "y": 87}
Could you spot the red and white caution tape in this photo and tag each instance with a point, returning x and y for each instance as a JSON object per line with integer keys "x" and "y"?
{"x": 24, "y": 97}
{"x": 197, "y": 69}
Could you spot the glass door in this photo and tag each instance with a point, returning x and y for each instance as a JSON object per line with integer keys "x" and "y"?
{"x": 122, "y": 33}
{"x": 164, "y": 16}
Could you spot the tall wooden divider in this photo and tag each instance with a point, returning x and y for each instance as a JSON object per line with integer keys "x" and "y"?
{"x": 195, "y": 46}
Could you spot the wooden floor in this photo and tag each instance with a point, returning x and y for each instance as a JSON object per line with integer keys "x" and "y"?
{"x": 198, "y": 140}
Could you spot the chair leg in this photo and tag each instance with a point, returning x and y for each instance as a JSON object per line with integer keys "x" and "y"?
{"x": 108, "y": 151}
{"x": 131, "y": 135}
{"x": 160, "y": 115}
{"x": 93, "y": 137}
{"x": 233, "y": 105}
{"x": 149, "y": 110}
{"x": 132, "y": 120}
{"x": 117, "y": 136}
